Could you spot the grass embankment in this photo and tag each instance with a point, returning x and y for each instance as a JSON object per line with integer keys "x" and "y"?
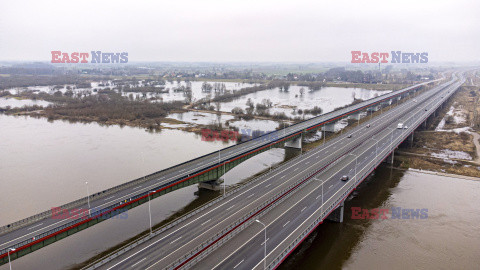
{"x": 429, "y": 142}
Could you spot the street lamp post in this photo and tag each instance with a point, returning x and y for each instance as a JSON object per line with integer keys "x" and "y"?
{"x": 9, "y": 262}
{"x": 150, "y": 211}
{"x": 356, "y": 161}
{"x": 376, "y": 146}
{"x": 88, "y": 198}
{"x": 323, "y": 134}
{"x": 315, "y": 178}
{"x": 224, "y": 179}
{"x": 264, "y": 245}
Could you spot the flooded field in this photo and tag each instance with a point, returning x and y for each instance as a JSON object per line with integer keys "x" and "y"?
{"x": 168, "y": 94}
{"x": 18, "y": 103}
{"x": 327, "y": 98}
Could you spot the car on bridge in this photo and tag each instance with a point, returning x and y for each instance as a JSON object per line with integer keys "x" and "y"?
{"x": 344, "y": 178}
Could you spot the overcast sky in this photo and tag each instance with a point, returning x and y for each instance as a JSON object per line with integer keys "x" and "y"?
{"x": 229, "y": 30}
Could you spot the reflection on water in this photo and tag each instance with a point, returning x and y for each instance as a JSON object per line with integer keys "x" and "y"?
{"x": 48, "y": 163}
{"x": 447, "y": 239}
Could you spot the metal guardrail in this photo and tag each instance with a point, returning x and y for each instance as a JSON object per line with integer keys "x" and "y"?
{"x": 216, "y": 244}
{"x": 107, "y": 192}
{"x": 191, "y": 213}
{"x": 369, "y": 169}
{"x": 29, "y": 220}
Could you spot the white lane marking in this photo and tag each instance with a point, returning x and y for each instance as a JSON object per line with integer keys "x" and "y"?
{"x": 109, "y": 198}
{"x": 268, "y": 185}
{"x": 286, "y": 223}
{"x": 330, "y": 187}
{"x": 205, "y": 222}
{"x": 139, "y": 262}
{"x": 265, "y": 241}
{"x": 276, "y": 218}
{"x": 35, "y": 226}
{"x": 230, "y": 207}
{"x": 282, "y": 177}
{"x": 238, "y": 264}
{"x": 318, "y": 197}
{"x": 131, "y": 194}
{"x": 308, "y": 162}
{"x": 250, "y": 195}
{"x": 295, "y": 169}
{"x": 136, "y": 187}
{"x": 326, "y": 152}
{"x": 303, "y": 209}
{"x": 175, "y": 240}
{"x": 267, "y": 179}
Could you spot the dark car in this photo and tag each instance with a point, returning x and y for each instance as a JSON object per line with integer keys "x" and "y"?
{"x": 349, "y": 136}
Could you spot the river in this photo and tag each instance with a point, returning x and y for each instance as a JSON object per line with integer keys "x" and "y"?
{"x": 45, "y": 164}
{"x": 447, "y": 239}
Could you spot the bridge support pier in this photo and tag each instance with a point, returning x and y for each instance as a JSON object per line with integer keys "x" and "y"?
{"x": 337, "y": 214}
{"x": 355, "y": 116}
{"x": 411, "y": 139}
{"x": 211, "y": 185}
{"x": 295, "y": 142}
{"x": 329, "y": 127}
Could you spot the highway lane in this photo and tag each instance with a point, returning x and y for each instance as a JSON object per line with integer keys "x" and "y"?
{"x": 237, "y": 207}
{"x": 242, "y": 260}
{"x": 245, "y": 251}
{"x": 140, "y": 259}
{"x": 166, "y": 176}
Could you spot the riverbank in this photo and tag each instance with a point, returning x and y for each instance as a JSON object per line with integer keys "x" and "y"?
{"x": 449, "y": 143}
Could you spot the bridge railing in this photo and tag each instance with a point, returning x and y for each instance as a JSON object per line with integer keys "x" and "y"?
{"x": 347, "y": 189}
{"x": 29, "y": 220}
{"x": 212, "y": 247}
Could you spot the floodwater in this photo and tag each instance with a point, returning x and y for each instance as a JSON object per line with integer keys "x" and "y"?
{"x": 18, "y": 103}
{"x": 327, "y": 98}
{"x": 447, "y": 239}
{"x": 201, "y": 118}
{"x": 172, "y": 95}
{"x": 45, "y": 164}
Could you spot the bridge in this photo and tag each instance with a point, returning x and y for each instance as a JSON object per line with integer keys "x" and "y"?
{"x": 289, "y": 202}
{"x": 282, "y": 184}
